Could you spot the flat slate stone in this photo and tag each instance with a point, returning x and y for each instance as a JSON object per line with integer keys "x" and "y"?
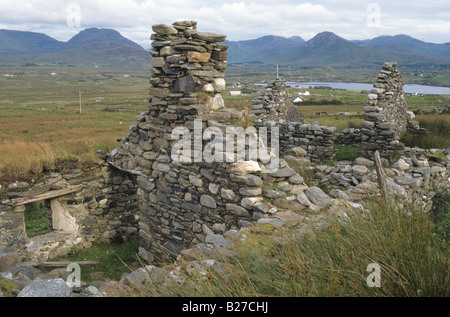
{"x": 209, "y": 37}
{"x": 217, "y": 239}
{"x": 283, "y": 172}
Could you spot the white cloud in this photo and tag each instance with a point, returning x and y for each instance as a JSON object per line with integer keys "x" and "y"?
{"x": 238, "y": 19}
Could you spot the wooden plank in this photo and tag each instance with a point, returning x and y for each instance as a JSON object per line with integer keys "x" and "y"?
{"x": 45, "y": 196}
{"x": 381, "y": 175}
{"x": 64, "y": 263}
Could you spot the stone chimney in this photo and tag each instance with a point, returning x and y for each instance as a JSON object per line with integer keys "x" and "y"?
{"x": 187, "y": 76}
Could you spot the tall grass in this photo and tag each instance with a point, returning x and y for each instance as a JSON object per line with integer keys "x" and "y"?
{"x": 332, "y": 262}
{"x": 438, "y": 136}
{"x": 20, "y": 158}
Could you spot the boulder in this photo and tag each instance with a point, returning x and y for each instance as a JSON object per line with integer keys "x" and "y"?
{"x": 364, "y": 162}
{"x": 217, "y": 239}
{"x": 8, "y": 258}
{"x": 318, "y": 197}
{"x": 46, "y": 288}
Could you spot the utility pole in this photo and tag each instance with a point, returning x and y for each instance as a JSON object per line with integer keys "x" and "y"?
{"x": 80, "y": 100}
{"x": 278, "y": 76}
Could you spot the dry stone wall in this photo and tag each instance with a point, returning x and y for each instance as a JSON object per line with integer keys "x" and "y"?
{"x": 317, "y": 140}
{"x": 103, "y": 210}
{"x": 349, "y": 136}
{"x": 274, "y": 104}
{"x": 386, "y": 116}
{"x": 412, "y": 180}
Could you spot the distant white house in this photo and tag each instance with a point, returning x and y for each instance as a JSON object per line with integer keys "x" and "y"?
{"x": 235, "y": 93}
{"x": 304, "y": 93}
{"x": 297, "y": 100}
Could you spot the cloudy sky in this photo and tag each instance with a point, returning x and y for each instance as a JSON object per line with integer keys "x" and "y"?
{"x": 239, "y": 19}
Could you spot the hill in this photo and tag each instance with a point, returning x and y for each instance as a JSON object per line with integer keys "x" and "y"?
{"x": 260, "y": 49}
{"x": 18, "y": 42}
{"x": 406, "y": 43}
{"x": 327, "y": 49}
{"x": 108, "y": 48}
{"x": 91, "y": 47}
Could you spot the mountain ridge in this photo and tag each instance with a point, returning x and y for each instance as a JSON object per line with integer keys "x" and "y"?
{"x": 327, "y": 49}
{"x": 108, "y": 48}
{"x": 90, "y": 47}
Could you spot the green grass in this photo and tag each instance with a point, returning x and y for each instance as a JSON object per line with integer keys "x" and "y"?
{"x": 36, "y": 220}
{"x": 7, "y": 287}
{"x": 347, "y": 152}
{"x": 114, "y": 259}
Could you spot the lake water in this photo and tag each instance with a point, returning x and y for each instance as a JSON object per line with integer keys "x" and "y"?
{"x": 408, "y": 88}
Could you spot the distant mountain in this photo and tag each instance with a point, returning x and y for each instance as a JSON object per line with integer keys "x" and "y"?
{"x": 108, "y": 48}
{"x": 18, "y": 42}
{"x": 95, "y": 35}
{"x": 327, "y": 49}
{"x": 406, "y": 43}
{"x": 261, "y": 48}
{"x": 91, "y": 47}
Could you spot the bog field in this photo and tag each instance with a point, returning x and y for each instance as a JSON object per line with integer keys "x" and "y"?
{"x": 42, "y": 123}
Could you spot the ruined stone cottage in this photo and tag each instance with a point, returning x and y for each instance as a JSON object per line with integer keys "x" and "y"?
{"x": 176, "y": 182}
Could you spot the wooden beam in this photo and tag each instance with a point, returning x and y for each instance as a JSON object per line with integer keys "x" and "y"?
{"x": 48, "y": 195}
{"x": 381, "y": 175}
{"x": 64, "y": 263}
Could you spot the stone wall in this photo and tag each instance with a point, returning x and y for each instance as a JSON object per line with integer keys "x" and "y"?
{"x": 103, "y": 210}
{"x": 386, "y": 116}
{"x": 349, "y": 136}
{"x": 318, "y": 141}
{"x": 413, "y": 179}
{"x": 183, "y": 198}
{"x": 274, "y": 104}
